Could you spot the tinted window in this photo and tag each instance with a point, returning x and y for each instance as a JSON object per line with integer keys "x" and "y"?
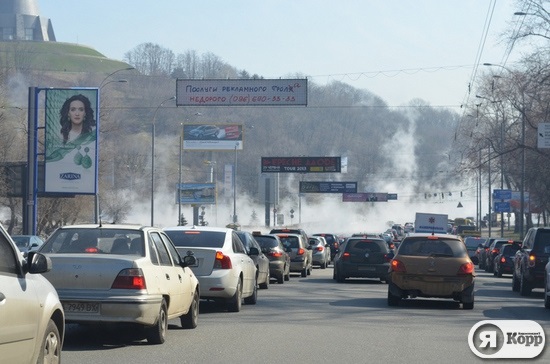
{"x": 195, "y": 238}
{"x": 164, "y": 257}
{"x": 290, "y": 241}
{"x": 542, "y": 241}
{"x": 267, "y": 242}
{"x": 371, "y": 245}
{"x": 95, "y": 240}
{"x": 473, "y": 242}
{"x": 510, "y": 249}
{"x": 238, "y": 246}
{"x": 435, "y": 247}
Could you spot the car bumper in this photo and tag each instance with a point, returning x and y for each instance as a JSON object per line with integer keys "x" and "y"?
{"x": 276, "y": 268}
{"x": 433, "y": 286}
{"x": 221, "y": 283}
{"x": 364, "y": 271}
{"x": 119, "y": 309}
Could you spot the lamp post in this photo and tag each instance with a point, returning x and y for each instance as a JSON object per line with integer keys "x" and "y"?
{"x": 180, "y": 174}
{"x": 101, "y": 85}
{"x": 153, "y": 158}
{"x": 235, "y": 186}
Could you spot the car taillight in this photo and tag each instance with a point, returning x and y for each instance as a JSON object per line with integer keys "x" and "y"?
{"x": 486, "y": 249}
{"x": 301, "y": 251}
{"x": 319, "y": 248}
{"x": 345, "y": 256}
{"x": 222, "y": 261}
{"x": 275, "y": 254}
{"x": 532, "y": 260}
{"x": 91, "y": 249}
{"x": 397, "y": 266}
{"x": 503, "y": 259}
{"x": 495, "y": 251}
{"x": 466, "y": 268}
{"x": 130, "y": 279}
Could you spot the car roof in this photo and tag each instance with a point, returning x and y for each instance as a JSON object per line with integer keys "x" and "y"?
{"x": 105, "y": 226}
{"x": 413, "y": 235}
{"x": 198, "y": 228}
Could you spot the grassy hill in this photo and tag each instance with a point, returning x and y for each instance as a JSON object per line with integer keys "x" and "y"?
{"x": 55, "y": 57}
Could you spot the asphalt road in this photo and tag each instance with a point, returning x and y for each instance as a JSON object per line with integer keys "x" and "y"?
{"x": 316, "y": 320}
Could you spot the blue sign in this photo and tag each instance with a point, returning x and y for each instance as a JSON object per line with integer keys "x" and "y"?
{"x": 503, "y": 206}
{"x": 502, "y": 194}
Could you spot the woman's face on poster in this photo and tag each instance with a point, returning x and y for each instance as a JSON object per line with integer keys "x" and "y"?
{"x": 77, "y": 112}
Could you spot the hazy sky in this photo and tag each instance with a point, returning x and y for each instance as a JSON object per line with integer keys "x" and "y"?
{"x": 397, "y": 49}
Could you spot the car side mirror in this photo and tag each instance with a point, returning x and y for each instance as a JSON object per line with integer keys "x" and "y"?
{"x": 253, "y": 251}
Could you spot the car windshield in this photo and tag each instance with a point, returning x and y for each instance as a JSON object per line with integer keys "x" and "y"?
{"x": 21, "y": 241}
{"x": 96, "y": 240}
{"x": 197, "y": 238}
{"x": 432, "y": 247}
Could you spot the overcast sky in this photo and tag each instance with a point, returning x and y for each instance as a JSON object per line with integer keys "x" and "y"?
{"x": 397, "y": 49}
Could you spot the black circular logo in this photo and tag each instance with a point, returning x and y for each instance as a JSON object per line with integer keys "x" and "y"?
{"x": 488, "y": 339}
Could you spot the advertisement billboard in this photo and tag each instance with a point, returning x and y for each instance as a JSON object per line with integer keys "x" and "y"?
{"x": 365, "y": 197}
{"x": 212, "y": 137}
{"x": 244, "y": 92}
{"x": 301, "y": 164}
{"x": 196, "y": 193}
{"x": 71, "y": 140}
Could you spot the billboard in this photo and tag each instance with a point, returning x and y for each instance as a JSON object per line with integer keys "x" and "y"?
{"x": 71, "y": 140}
{"x": 328, "y": 187}
{"x": 301, "y": 164}
{"x": 196, "y": 193}
{"x": 245, "y": 92}
{"x": 212, "y": 137}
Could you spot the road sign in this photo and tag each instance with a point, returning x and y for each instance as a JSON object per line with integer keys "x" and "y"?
{"x": 502, "y": 194}
{"x": 502, "y": 206}
{"x": 543, "y": 135}
{"x": 392, "y": 196}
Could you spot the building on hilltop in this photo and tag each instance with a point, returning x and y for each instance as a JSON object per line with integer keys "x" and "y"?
{"x": 21, "y": 20}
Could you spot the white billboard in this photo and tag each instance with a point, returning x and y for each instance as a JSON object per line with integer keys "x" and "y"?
{"x": 246, "y": 92}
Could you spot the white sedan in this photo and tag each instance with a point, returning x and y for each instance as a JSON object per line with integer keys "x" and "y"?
{"x": 224, "y": 269}
{"x": 122, "y": 274}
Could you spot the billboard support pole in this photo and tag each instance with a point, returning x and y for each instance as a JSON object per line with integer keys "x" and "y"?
{"x": 29, "y": 202}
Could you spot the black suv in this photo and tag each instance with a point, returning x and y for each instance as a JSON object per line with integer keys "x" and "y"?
{"x": 530, "y": 261}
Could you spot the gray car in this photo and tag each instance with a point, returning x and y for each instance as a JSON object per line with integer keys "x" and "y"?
{"x": 301, "y": 259}
{"x": 320, "y": 250}
{"x": 260, "y": 260}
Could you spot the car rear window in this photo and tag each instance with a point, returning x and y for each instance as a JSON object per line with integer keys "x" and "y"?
{"x": 542, "y": 241}
{"x": 266, "y": 242}
{"x": 510, "y": 249}
{"x": 96, "y": 240}
{"x": 328, "y": 237}
{"x": 290, "y": 241}
{"x": 371, "y": 245}
{"x": 197, "y": 238}
{"x": 473, "y": 242}
{"x": 432, "y": 247}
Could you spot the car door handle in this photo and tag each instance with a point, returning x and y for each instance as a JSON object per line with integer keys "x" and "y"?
{"x": 167, "y": 276}
{"x": 2, "y": 297}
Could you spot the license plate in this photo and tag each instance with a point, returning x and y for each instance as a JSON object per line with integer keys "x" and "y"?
{"x": 81, "y": 307}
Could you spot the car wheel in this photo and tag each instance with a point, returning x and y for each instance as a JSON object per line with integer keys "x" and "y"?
{"x": 467, "y": 305}
{"x": 190, "y": 319}
{"x": 481, "y": 265}
{"x": 515, "y": 282}
{"x": 524, "y": 288}
{"x": 340, "y": 278}
{"x": 495, "y": 272}
{"x": 265, "y": 285}
{"x": 287, "y": 275}
{"x": 334, "y": 273}
{"x": 51, "y": 345}
{"x": 310, "y": 268}
{"x": 252, "y": 299}
{"x": 157, "y": 333}
{"x": 393, "y": 300}
{"x": 498, "y": 273}
{"x": 323, "y": 265}
{"x": 234, "y": 303}
{"x": 281, "y": 278}
{"x": 303, "y": 273}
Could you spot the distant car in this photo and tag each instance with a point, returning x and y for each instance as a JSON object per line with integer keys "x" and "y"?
{"x": 290, "y": 231}
{"x": 300, "y": 253}
{"x": 224, "y": 269}
{"x": 547, "y": 284}
{"x": 320, "y": 251}
{"x": 492, "y": 252}
{"x": 260, "y": 259}
{"x": 32, "y": 320}
{"x": 408, "y": 227}
{"x": 432, "y": 265}
{"x": 333, "y": 241}
{"x": 114, "y": 274}
{"x": 205, "y": 132}
{"x": 472, "y": 244}
{"x": 481, "y": 253}
{"x": 279, "y": 260}
{"x": 27, "y": 243}
{"x": 504, "y": 261}
{"x": 530, "y": 261}
{"x": 362, "y": 257}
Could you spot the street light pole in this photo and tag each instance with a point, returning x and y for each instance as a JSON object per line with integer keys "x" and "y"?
{"x": 235, "y": 186}
{"x": 180, "y": 173}
{"x": 153, "y": 158}
{"x": 522, "y": 183}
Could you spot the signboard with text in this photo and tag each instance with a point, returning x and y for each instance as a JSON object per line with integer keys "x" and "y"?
{"x": 301, "y": 164}
{"x": 328, "y": 187}
{"x": 212, "y": 137}
{"x": 243, "y": 92}
{"x": 365, "y": 197}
